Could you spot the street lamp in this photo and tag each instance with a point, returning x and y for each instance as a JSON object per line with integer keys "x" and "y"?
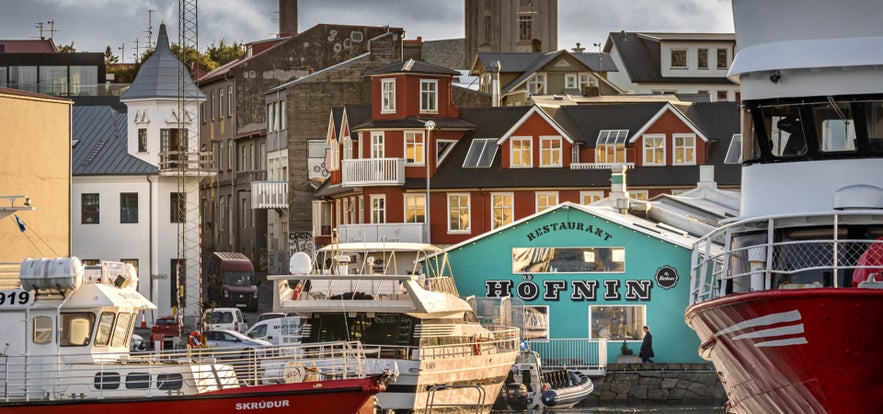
{"x": 429, "y": 125}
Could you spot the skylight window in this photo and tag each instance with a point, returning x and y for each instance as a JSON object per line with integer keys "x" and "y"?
{"x": 734, "y": 153}
{"x": 612, "y": 136}
{"x": 481, "y": 153}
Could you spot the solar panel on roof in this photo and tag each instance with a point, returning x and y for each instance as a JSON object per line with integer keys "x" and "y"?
{"x": 612, "y": 136}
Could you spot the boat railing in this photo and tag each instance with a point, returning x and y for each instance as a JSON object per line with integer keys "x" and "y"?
{"x": 9, "y": 275}
{"x": 587, "y": 355}
{"x": 162, "y": 373}
{"x": 777, "y": 265}
{"x": 495, "y": 340}
{"x": 372, "y": 286}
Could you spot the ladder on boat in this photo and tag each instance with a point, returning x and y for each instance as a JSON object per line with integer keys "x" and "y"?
{"x": 430, "y": 398}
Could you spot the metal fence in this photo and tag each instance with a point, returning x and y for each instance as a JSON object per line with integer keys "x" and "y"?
{"x": 587, "y": 355}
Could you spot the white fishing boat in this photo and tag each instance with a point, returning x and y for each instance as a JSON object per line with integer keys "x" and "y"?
{"x": 400, "y": 301}
{"x": 65, "y": 348}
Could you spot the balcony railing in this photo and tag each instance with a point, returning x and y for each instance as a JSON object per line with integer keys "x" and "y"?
{"x": 599, "y": 165}
{"x": 186, "y": 162}
{"x": 269, "y": 194}
{"x": 374, "y": 171}
{"x": 390, "y": 232}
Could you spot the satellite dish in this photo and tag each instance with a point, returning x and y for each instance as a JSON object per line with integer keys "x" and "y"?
{"x": 300, "y": 264}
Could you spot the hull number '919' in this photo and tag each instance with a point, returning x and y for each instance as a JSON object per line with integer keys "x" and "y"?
{"x": 17, "y": 297}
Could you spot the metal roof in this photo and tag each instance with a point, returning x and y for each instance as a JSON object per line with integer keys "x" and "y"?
{"x": 102, "y": 148}
{"x": 159, "y": 75}
{"x": 413, "y": 66}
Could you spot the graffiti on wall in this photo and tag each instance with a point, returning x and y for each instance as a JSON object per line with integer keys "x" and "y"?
{"x": 300, "y": 241}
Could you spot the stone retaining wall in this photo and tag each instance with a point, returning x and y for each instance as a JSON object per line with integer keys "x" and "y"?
{"x": 635, "y": 384}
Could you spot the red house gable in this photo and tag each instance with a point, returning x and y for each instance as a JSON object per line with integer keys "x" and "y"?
{"x": 682, "y": 143}
{"x": 412, "y": 89}
{"x": 544, "y": 137}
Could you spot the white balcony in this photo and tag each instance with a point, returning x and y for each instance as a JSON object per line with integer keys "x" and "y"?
{"x": 188, "y": 163}
{"x": 599, "y": 165}
{"x": 388, "y": 232}
{"x": 374, "y": 171}
{"x": 269, "y": 194}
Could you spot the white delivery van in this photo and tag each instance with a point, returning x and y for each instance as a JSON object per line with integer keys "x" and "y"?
{"x": 278, "y": 331}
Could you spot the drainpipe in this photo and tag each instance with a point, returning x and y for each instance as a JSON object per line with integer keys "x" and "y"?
{"x": 619, "y": 196}
{"x": 153, "y": 283}
{"x": 494, "y": 69}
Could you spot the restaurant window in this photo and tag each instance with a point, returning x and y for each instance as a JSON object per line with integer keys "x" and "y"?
{"x": 619, "y": 323}
{"x": 91, "y": 208}
{"x": 568, "y": 260}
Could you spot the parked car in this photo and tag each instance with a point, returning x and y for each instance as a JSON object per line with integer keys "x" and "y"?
{"x": 224, "y": 338}
{"x": 278, "y": 331}
{"x": 269, "y": 315}
{"x": 166, "y": 327}
{"x": 225, "y": 318}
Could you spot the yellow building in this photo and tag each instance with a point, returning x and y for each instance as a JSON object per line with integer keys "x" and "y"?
{"x": 35, "y": 161}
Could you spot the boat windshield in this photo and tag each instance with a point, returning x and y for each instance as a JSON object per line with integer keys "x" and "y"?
{"x": 813, "y": 129}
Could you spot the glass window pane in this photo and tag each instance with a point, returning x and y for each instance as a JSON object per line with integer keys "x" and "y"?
{"x": 568, "y": 260}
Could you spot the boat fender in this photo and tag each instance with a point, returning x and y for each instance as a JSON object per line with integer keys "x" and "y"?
{"x": 550, "y": 398}
{"x": 476, "y": 345}
{"x": 195, "y": 340}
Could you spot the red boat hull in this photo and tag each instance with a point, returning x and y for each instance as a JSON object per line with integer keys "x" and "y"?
{"x": 796, "y": 351}
{"x": 336, "y": 396}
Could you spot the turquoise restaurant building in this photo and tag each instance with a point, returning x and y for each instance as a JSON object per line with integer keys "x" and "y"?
{"x": 587, "y": 272}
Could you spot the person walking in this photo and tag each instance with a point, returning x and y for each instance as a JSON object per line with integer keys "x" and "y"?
{"x": 647, "y": 346}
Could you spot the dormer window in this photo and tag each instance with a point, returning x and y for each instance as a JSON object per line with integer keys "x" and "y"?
{"x": 520, "y": 152}
{"x": 388, "y": 96}
{"x": 537, "y": 84}
{"x": 428, "y": 95}
{"x": 610, "y": 146}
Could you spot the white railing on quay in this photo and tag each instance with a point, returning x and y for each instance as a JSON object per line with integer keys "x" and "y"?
{"x": 587, "y": 355}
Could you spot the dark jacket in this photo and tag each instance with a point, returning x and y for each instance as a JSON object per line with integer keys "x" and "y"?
{"x": 647, "y": 347}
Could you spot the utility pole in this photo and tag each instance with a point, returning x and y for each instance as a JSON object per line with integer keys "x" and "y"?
{"x": 150, "y": 29}
{"x": 135, "y": 55}
{"x": 122, "y": 49}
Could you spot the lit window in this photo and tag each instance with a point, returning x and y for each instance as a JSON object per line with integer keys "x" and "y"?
{"x": 550, "y": 151}
{"x": 654, "y": 149}
{"x": 415, "y": 208}
{"x": 610, "y": 146}
{"x": 642, "y": 195}
{"x": 428, "y": 95}
{"x": 458, "y": 213}
{"x": 684, "y": 149}
{"x": 414, "y": 148}
{"x": 520, "y": 152}
{"x": 589, "y": 197}
{"x": 388, "y": 95}
{"x": 502, "y": 209}
{"x": 546, "y": 200}
{"x": 568, "y": 260}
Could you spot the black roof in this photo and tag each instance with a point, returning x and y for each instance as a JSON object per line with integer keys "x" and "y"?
{"x": 416, "y": 122}
{"x": 584, "y": 122}
{"x": 413, "y": 66}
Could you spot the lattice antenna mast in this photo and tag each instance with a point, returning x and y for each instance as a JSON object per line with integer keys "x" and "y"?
{"x": 189, "y": 244}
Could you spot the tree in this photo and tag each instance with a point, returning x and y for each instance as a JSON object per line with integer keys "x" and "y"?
{"x": 109, "y": 57}
{"x": 224, "y": 53}
{"x": 67, "y": 48}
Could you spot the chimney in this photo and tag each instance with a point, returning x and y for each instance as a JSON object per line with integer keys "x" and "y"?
{"x": 706, "y": 177}
{"x": 496, "y": 99}
{"x": 619, "y": 196}
{"x": 287, "y": 18}
{"x": 578, "y": 49}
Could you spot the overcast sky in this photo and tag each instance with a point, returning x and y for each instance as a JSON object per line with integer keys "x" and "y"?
{"x": 92, "y": 25}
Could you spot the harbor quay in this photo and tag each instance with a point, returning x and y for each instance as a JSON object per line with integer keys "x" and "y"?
{"x": 652, "y": 383}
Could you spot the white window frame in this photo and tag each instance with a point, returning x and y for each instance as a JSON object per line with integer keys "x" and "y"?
{"x": 649, "y": 158}
{"x": 537, "y": 84}
{"x": 615, "y": 138}
{"x": 512, "y": 151}
{"x": 388, "y": 96}
{"x": 677, "y": 148}
{"x": 429, "y": 95}
{"x": 554, "y": 153}
{"x": 221, "y": 103}
{"x": 642, "y": 195}
{"x": 503, "y": 208}
{"x": 468, "y": 207}
{"x": 571, "y": 81}
{"x": 672, "y": 60}
{"x": 410, "y": 204}
{"x": 230, "y": 101}
{"x": 414, "y": 141}
{"x": 377, "y": 147}
{"x": 378, "y": 208}
{"x": 589, "y": 197}
{"x": 545, "y": 196}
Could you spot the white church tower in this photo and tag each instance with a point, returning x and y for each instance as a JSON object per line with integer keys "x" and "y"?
{"x": 163, "y": 130}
